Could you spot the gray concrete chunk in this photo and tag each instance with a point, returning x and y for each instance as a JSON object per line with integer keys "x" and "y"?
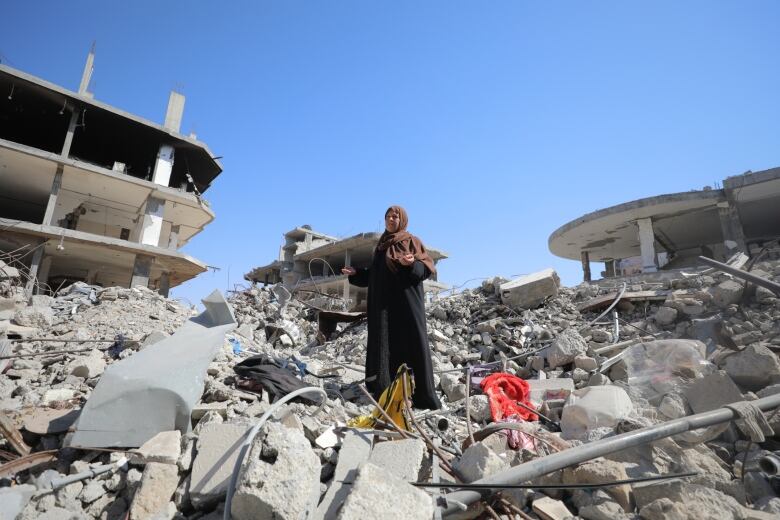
{"x": 401, "y": 458}
{"x": 218, "y": 447}
{"x": 380, "y": 495}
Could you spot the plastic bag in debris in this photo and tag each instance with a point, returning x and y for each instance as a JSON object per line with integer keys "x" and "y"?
{"x": 656, "y": 368}
{"x": 391, "y": 401}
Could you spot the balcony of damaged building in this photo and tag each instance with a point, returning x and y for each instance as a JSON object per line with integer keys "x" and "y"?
{"x": 91, "y": 193}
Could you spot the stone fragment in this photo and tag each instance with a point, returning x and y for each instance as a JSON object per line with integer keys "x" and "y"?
{"x": 92, "y": 491}
{"x": 601, "y": 336}
{"x": 7, "y": 272}
{"x": 586, "y": 363}
{"x": 380, "y": 495}
{"x": 606, "y": 510}
{"x": 218, "y": 447}
{"x": 665, "y": 315}
{"x": 565, "y": 348}
{"x": 479, "y": 408}
{"x": 673, "y": 406}
{"x": 281, "y": 478}
{"x": 89, "y": 366}
{"x": 402, "y": 458}
{"x": 58, "y": 394}
{"x": 602, "y": 470}
{"x": 201, "y": 409}
{"x": 530, "y": 290}
{"x": 726, "y": 293}
{"x": 479, "y": 461}
{"x": 663, "y": 509}
{"x": 753, "y": 368}
{"x": 550, "y": 509}
{"x": 164, "y": 447}
{"x": 452, "y": 387}
{"x": 40, "y": 317}
{"x": 712, "y": 391}
{"x": 158, "y": 483}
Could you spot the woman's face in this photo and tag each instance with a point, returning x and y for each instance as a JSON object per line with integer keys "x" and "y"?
{"x": 392, "y": 221}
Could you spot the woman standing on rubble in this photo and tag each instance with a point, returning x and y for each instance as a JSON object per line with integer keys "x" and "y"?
{"x": 397, "y": 331}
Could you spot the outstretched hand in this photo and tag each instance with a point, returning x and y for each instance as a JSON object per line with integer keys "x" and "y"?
{"x": 349, "y": 271}
{"x": 407, "y": 259}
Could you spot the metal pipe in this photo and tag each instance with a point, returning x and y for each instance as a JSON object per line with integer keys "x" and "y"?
{"x": 622, "y": 344}
{"x": 770, "y": 464}
{"x": 739, "y": 273}
{"x": 91, "y": 472}
{"x": 564, "y": 459}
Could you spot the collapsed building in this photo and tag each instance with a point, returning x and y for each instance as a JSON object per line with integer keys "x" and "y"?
{"x": 91, "y": 193}
{"x": 670, "y": 231}
{"x": 310, "y": 263}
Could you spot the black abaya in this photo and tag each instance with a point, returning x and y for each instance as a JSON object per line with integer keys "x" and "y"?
{"x": 397, "y": 332}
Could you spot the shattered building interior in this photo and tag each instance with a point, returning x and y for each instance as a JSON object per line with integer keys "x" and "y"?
{"x": 97, "y": 194}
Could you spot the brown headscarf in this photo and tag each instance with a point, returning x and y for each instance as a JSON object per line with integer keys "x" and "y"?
{"x": 402, "y": 243}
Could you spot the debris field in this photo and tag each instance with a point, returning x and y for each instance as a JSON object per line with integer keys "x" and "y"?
{"x": 643, "y": 398}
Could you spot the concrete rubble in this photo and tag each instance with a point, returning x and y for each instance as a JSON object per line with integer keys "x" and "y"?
{"x": 709, "y": 341}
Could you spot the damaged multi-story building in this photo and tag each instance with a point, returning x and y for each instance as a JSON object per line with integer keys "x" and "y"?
{"x": 668, "y": 232}
{"x": 91, "y": 193}
{"x": 311, "y": 262}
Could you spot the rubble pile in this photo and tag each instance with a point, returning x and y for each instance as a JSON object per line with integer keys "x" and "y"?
{"x": 592, "y": 367}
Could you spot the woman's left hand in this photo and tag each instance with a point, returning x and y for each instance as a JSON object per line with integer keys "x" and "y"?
{"x": 407, "y": 259}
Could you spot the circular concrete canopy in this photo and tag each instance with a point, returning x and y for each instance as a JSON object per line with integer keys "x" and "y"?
{"x": 680, "y": 220}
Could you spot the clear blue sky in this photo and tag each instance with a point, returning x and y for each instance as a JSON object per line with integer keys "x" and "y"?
{"x": 493, "y": 123}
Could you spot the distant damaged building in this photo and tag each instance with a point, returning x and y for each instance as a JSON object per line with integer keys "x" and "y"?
{"x": 310, "y": 264}
{"x": 91, "y": 193}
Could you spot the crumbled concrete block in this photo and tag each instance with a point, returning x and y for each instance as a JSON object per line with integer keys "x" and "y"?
{"x": 158, "y": 483}
{"x": 201, "y": 409}
{"x": 665, "y": 315}
{"x": 586, "y": 363}
{"x": 598, "y": 471}
{"x": 7, "y": 272}
{"x": 403, "y": 458}
{"x": 281, "y": 478}
{"x": 479, "y": 461}
{"x": 754, "y": 367}
{"x": 164, "y": 447}
{"x": 187, "y": 455}
{"x": 673, "y": 406}
{"x": 712, "y": 391}
{"x": 663, "y": 509}
{"x": 565, "y": 348}
{"x": 92, "y": 491}
{"x": 58, "y": 394}
{"x": 13, "y": 500}
{"x": 40, "y": 317}
{"x": 594, "y": 407}
{"x": 380, "y": 495}
{"x": 452, "y": 387}
{"x": 727, "y": 293}
{"x": 89, "y": 366}
{"x": 530, "y": 290}
{"x": 479, "y": 408}
{"x": 218, "y": 448}
{"x": 550, "y": 509}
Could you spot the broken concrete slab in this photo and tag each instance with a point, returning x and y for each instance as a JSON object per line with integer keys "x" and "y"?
{"x": 754, "y": 367}
{"x": 712, "y": 391}
{"x": 550, "y": 509}
{"x": 217, "y": 451}
{"x": 531, "y": 290}
{"x": 594, "y": 407}
{"x": 281, "y": 478}
{"x": 151, "y": 499}
{"x": 155, "y": 389}
{"x": 13, "y": 499}
{"x": 401, "y": 458}
{"x": 165, "y": 447}
{"x": 89, "y": 366}
{"x": 35, "y": 317}
{"x": 354, "y": 451}
{"x": 479, "y": 461}
{"x": 380, "y": 495}
{"x": 568, "y": 345}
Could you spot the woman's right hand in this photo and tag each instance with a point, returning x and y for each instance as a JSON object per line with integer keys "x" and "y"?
{"x": 349, "y": 271}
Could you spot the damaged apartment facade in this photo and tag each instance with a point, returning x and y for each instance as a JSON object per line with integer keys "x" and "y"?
{"x": 668, "y": 232}
{"x": 310, "y": 263}
{"x": 91, "y": 193}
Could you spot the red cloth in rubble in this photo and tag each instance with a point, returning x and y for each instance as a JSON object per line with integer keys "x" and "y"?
{"x": 504, "y": 391}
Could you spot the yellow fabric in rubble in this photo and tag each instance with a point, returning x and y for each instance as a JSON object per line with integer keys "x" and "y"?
{"x": 391, "y": 401}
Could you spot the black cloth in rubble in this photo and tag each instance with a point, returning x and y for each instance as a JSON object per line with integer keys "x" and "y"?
{"x": 397, "y": 331}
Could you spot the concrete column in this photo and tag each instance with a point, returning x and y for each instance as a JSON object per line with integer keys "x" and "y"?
{"x": 647, "y": 245}
{"x": 347, "y": 258}
{"x": 346, "y": 289}
{"x": 88, "y": 68}
{"x": 730, "y": 223}
{"x": 165, "y": 284}
{"x": 92, "y": 276}
{"x": 34, "y": 266}
{"x": 325, "y": 269}
{"x": 74, "y": 116}
{"x": 141, "y": 269}
{"x": 585, "y": 257}
{"x": 609, "y": 268}
{"x": 173, "y": 238}
{"x": 151, "y": 223}
{"x": 164, "y": 165}
{"x": 53, "y": 193}
{"x": 43, "y": 271}
{"x": 174, "y": 112}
